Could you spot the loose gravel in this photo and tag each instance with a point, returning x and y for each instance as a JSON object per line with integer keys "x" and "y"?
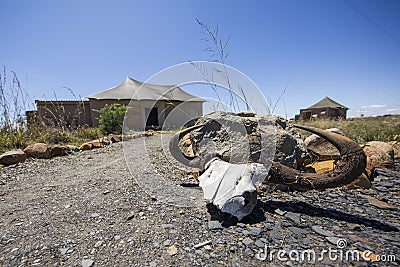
{"x": 88, "y": 209}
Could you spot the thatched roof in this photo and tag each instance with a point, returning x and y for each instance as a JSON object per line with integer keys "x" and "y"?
{"x": 326, "y": 102}
{"x": 131, "y": 89}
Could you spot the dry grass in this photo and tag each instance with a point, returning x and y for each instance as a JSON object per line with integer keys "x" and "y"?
{"x": 14, "y": 133}
{"x": 362, "y": 130}
{"x": 20, "y": 138}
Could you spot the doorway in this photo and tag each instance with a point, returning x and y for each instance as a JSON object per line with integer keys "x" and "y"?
{"x": 151, "y": 117}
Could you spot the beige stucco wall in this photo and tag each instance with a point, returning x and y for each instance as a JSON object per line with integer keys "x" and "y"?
{"x": 99, "y": 104}
{"x": 179, "y": 114}
{"x": 63, "y": 113}
{"x": 171, "y": 115}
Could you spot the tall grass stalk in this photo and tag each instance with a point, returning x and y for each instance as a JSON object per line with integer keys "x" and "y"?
{"x": 14, "y": 131}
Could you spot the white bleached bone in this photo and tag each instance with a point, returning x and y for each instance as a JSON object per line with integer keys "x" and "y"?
{"x": 232, "y": 187}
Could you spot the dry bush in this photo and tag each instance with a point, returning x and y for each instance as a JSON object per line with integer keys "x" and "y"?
{"x": 362, "y": 130}
{"x": 14, "y": 131}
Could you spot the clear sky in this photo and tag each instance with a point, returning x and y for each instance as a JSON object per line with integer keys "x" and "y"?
{"x": 348, "y": 50}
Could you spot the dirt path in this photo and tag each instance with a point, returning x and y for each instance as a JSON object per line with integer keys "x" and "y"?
{"x": 86, "y": 209}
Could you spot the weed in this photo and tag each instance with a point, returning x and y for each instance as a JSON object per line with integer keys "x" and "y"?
{"x": 362, "y": 130}
{"x": 111, "y": 118}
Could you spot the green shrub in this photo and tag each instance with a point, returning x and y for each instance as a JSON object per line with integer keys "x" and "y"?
{"x": 111, "y": 118}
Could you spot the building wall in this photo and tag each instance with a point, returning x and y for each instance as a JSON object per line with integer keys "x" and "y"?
{"x": 71, "y": 114}
{"x": 179, "y": 113}
{"x": 96, "y": 105}
{"x": 323, "y": 113}
{"x": 68, "y": 114}
{"x": 171, "y": 114}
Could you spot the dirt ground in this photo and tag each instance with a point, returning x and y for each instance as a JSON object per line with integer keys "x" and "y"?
{"x": 87, "y": 209}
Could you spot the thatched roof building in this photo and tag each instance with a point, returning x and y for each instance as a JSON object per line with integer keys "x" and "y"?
{"x": 326, "y": 108}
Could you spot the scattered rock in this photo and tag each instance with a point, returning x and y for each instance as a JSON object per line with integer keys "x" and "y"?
{"x": 200, "y": 245}
{"x": 369, "y": 256}
{"x": 362, "y": 182}
{"x": 280, "y": 212}
{"x": 214, "y": 225}
{"x": 376, "y": 158}
{"x": 12, "y": 157}
{"x": 149, "y": 133}
{"x": 172, "y": 250}
{"x": 320, "y": 149}
{"x": 114, "y": 138}
{"x": 298, "y": 231}
{"x": 98, "y": 244}
{"x": 380, "y": 204}
{"x": 244, "y": 144}
{"x": 322, "y": 166}
{"x": 72, "y": 148}
{"x": 104, "y": 141}
{"x": 87, "y": 263}
{"x": 167, "y": 226}
{"x": 247, "y": 241}
{"x": 130, "y": 216}
{"x": 57, "y": 150}
{"x": 63, "y": 251}
{"x": 294, "y": 217}
{"x": 95, "y": 143}
{"x": 255, "y": 231}
{"x": 385, "y": 147}
{"x": 259, "y": 243}
{"x": 143, "y": 241}
{"x": 248, "y": 251}
{"x": 333, "y": 239}
{"x": 396, "y": 148}
{"x": 354, "y": 226}
{"x": 85, "y": 146}
{"x": 321, "y": 231}
{"x": 38, "y": 150}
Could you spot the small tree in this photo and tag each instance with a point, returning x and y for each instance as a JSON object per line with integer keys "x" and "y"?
{"x": 111, "y": 118}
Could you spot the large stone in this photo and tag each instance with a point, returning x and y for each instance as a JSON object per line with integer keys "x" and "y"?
{"x": 38, "y": 150}
{"x": 237, "y": 138}
{"x": 328, "y": 165}
{"x": 115, "y": 138}
{"x": 396, "y": 148}
{"x": 322, "y": 166}
{"x": 72, "y": 148}
{"x": 58, "y": 150}
{"x": 149, "y": 133}
{"x": 12, "y": 157}
{"x": 385, "y": 147}
{"x": 377, "y": 158}
{"x": 105, "y": 141}
{"x": 320, "y": 149}
{"x": 95, "y": 143}
{"x": 85, "y": 146}
{"x": 362, "y": 181}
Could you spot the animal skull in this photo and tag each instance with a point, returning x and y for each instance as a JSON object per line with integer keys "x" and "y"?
{"x": 230, "y": 184}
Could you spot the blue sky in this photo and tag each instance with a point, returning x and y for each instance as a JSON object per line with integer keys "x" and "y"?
{"x": 348, "y": 50}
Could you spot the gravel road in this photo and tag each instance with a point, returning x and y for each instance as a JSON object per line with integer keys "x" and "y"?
{"x": 91, "y": 209}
